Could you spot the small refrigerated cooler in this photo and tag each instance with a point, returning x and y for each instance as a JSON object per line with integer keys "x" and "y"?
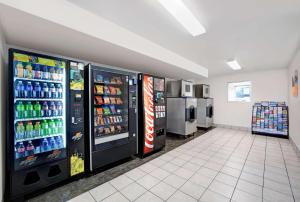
{"x": 36, "y": 141}
{"x": 112, "y": 115}
{"x": 152, "y": 109}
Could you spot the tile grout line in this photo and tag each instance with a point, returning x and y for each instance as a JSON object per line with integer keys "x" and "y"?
{"x": 243, "y": 168}
{"x": 287, "y": 171}
{"x": 263, "y": 185}
{"x": 222, "y": 166}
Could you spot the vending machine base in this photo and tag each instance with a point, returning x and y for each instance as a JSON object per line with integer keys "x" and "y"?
{"x": 32, "y": 180}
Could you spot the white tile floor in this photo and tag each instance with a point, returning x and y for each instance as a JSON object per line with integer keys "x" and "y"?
{"x": 221, "y": 165}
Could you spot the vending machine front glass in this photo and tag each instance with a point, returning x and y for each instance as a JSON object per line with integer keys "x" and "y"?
{"x": 39, "y": 109}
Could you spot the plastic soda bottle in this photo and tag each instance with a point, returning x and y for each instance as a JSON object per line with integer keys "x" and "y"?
{"x": 45, "y": 73}
{"x": 29, "y": 130}
{"x": 45, "y": 128}
{"x": 37, "y": 129}
{"x": 20, "y": 130}
{"x": 53, "y": 109}
{"x": 20, "y": 110}
{"x": 45, "y": 146}
{"x": 52, "y": 143}
{"x": 37, "y": 110}
{"x": 30, "y": 148}
{"x": 59, "y": 108}
{"x": 28, "y": 90}
{"x": 37, "y": 72}
{"x": 45, "y": 91}
{"x": 21, "y": 150}
{"x": 45, "y": 110}
{"x": 28, "y": 71}
{"x": 51, "y": 127}
{"x": 59, "y": 142}
{"x": 52, "y": 90}
{"x": 59, "y": 91}
{"x": 59, "y": 125}
{"x": 19, "y": 91}
{"x": 19, "y": 70}
{"x": 28, "y": 110}
{"x": 37, "y": 89}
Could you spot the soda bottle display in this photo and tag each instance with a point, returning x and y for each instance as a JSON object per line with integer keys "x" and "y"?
{"x": 30, "y": 148}
{"x": 53, "y": 109}
{"x": 45, "y": 128}
{"x": 29, "y": 130}
{"x": 52, "y": 143}
{"x": 45, "y": 110}
{"x": 21, "y": 150}
{"x": 59, "y": 91}
{"x": 45, "y": 73}
{"x": 20, "y": 110}
{"x": 37, "y": 110}
{"x": 52, "y": 90}
{"x": 19, "y": 70}
{"x": 19, "y": 91}
{"x": 37, "y": 89}
{"x": 20, "y": 131}
{"x": 28, "y": 70}
{"x": 37, "y": 72}
{"x": 45, "y": 91}
{"x": 28, "y": 90}
{"x": 59, "y": 108}
{"x": 45, "y": 146}
{"x": 28, "y": 110}
{"x": 37, "y": 129}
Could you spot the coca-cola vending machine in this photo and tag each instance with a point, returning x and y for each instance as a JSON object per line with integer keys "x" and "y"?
{"x": 152, "y": 114}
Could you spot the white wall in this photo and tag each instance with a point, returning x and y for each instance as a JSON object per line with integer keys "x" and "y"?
{"x": 294, "y": 103}
{"x": 2, "y": 109}
{"x": 266, "y": 86}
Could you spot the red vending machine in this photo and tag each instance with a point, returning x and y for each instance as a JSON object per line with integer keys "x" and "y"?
{"x": 152, "y": 120}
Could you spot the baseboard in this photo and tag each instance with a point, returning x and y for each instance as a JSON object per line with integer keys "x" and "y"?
{"x": 296, "y": 149}
{"x": 232, "y": 127}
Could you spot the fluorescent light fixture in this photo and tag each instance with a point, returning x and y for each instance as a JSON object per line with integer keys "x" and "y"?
{"x": 184, "y": 16}
{"x": 234, "y": 65}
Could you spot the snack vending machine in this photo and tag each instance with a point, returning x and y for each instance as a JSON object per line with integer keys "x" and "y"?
{"x": 36, "y": 138}
{"x": 152, "y": 114}
{"x": 112, "y": 115}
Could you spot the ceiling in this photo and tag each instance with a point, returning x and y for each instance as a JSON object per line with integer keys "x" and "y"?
{"x": 260, "y": 34}
{"x": 140, "y": 35}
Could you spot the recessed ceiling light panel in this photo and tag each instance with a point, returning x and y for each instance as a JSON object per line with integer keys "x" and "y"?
{"x": 234, "y": 65}
{"x": 184, "y": 16}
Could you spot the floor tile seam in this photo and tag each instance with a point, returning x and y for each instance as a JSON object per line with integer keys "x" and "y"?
{"x": 221, "y": 168}
{"x": 91, "y": 196}
{"x": 178, "y": 189}
{"x": 264, "y": 169}
{"x": 287, "y": 172}
{"x": 242, "y": 169}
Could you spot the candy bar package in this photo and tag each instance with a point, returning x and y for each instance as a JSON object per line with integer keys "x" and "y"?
{"x": 99, "y": 100}
{"x": 106, "y": 90}
{"x": 112, "y": 90}
{"x": 99, "y": 89}
{"x": 106, "y": 100}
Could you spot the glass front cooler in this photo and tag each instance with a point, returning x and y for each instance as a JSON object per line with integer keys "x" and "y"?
{"x": 110, "y": 108}
{"x": 39, "y": 110}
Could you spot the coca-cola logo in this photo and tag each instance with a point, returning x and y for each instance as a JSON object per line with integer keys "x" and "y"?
{"x": 148, "y": 113}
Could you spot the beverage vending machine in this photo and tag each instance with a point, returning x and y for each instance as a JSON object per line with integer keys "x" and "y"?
{"x": 37, "y": 140}
{"x": 112, "y": 115}
{"x": 152, "y": 114}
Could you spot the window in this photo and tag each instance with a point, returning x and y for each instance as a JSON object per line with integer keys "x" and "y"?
{"x": 239, "y": 92}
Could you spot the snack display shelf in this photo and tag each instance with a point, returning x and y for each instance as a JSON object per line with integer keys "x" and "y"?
{"x": 104, "y": 83}
{"x": 36, "y": 138}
